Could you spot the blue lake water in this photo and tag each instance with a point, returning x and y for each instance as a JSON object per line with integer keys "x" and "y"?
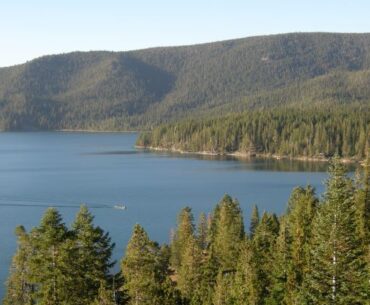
{"x": 43, "y": 169}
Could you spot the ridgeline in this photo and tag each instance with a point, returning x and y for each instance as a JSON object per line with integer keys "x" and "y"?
{"x": 137, "y": 90}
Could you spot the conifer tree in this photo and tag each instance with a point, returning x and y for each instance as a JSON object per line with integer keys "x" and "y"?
{"x": 93, "y": 257}
{"x": 291, "y": 252}
{"x": 227, "y": 233}
{"x": 282, "y": 283}
{"x": 247, "y": 288}
{"x": 141, "y": 268}
{"x": 50, "y": 261}
{"x": 363, "y": 202}
{"x": 223, "y": 294}
{"x": 255, "y": 219}
{"x": 226, "y": 238}
{"x": 189, "y": 273}
{"x": 262, "y": 247}
{"x": 104, "y": 296}
{"x": 18, "y": 287}
{"x": 337, "y": 268}
{"x": 202, "y": 232}
{"x": 185, "y": 231}
{"x": 203, "y": 293}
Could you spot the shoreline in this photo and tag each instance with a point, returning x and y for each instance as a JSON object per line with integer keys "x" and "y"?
{"x": 242, "y": 155}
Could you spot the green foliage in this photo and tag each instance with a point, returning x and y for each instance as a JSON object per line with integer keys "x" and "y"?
{"x": 227, "y": 234}
{"x": 93, "y": 257}
{"x": 105, "y": 296}
{"x": 316, "y": 253}
{"x": 139, "y": 89}
{"x": 143, "y": 270}
{"x": 55, "y": 265}
{"x": 255, "y": 219}
{"x": 184, "y": 232}
{"x": 202, "y": 232}
{"x": 189, "y": 272}
{"x": 19, "y": 289}
{"x": 51, "y": 261}
{"x": 289, "y": 132}
{"x": 337, "y": 266}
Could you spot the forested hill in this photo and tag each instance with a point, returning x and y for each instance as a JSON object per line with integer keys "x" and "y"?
{"x": 285, "y": 132}
{"x": 139, "y": 89}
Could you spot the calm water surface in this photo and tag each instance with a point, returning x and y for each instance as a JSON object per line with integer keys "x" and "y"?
{"x": 38, "y": 170}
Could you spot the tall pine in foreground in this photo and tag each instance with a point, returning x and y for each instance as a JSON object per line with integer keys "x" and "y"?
{"x": 18, "y": 286}
{"x": 255, "y": 219}
{"x": 51, "y": 260}
{"x": 227, "y": 236}
{"x": 141, "y": 268}
{"x": 337, "y": 263}
{"x": 184, "y": 232}
{"x": 290, "y": 255}
{"x": 93, "y": 257}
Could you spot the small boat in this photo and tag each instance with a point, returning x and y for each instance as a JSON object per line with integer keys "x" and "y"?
{"x": 120, "y": 207}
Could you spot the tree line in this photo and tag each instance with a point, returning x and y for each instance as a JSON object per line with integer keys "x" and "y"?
{"x": 317, "y": 252}
{"x": 291, "y": 132}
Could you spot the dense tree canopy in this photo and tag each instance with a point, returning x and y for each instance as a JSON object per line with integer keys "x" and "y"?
{"x": 288, "y": 132}
{"x": 139, "y": 89}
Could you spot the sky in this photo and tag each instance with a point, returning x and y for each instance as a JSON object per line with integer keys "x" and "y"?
{"x": 32, "y": 28}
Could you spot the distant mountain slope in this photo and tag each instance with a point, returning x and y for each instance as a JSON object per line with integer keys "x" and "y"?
{"x": 138, "y": 89}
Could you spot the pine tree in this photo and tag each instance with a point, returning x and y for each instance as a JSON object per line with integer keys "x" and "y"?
{"x": 337, "y": 270}
{"x": 247, "y": 287}
{"x": 142, "y": 270}
{"x": 93, "y": 257}
{"x": 262, "y": 248}
{"x": 282, "y": 283}
{"x": 227, "y": 233}
{"x": 223, "y": 294}
{"x": 104, "y": 296}
{"x": 50, "y": 261}
{"x": 203, "y": 293}
{"x": 185, "y": 231}
{"x": 18, "y": 287}
{"x": 202, "y": 232}
{"x": 226, "y": 239}
{"x": 189, "y": 273}
{"x": 291, "y": 250}
{"x": 363, "y": 202}
{"x": 255, "y": 219}
{"x": 362, "y": 198}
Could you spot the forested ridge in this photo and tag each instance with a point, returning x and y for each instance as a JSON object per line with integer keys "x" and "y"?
{"x": 316, "y": 253}
{"x": 318, "y": 132}
{"x": 140, "y": 89}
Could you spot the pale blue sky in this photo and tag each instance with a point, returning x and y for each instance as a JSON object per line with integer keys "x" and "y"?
{"x": 31, "y": 28}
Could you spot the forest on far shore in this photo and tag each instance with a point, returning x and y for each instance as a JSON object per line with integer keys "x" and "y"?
{"x": 283, "y": 131}
{"x": 316, "y": 253}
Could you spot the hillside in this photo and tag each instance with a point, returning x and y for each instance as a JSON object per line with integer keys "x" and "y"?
{"x": 140, "y": 89}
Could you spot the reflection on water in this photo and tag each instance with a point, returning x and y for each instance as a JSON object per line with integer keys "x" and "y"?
{"x": 258, "y": 164}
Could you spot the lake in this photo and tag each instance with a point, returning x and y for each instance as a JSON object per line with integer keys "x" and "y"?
{"x": 41, "y": 169}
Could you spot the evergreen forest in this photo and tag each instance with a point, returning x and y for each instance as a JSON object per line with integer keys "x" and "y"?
{"x": 284, "y": 131}
{"x": 316, "y": 253}
{"x": 136, "y": 90}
